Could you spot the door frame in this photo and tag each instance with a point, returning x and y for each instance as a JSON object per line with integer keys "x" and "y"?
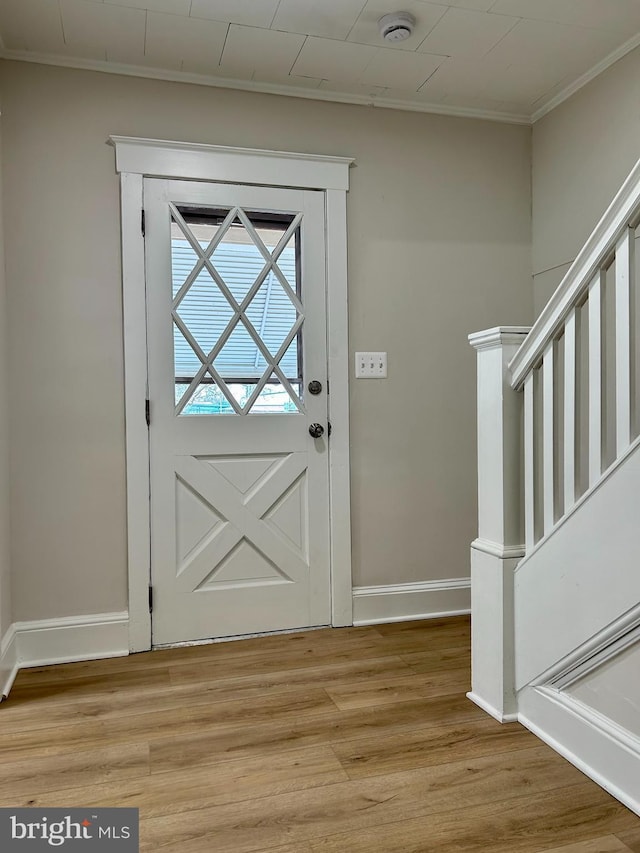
{"x": 137, "y": 159}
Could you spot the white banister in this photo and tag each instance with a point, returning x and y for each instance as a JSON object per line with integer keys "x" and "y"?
{"x": 586, "y": 406}
{"x": 594, "y": 308}
{"x": 548, "y": 443}
{"x": 529, "y": 466}
{"x": 498, "y": 548}
{"x": 625, "y": 267}
{"x": 569, "y": 433}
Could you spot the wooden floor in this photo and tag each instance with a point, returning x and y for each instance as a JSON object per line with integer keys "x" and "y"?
{"x": 358, "y": 740}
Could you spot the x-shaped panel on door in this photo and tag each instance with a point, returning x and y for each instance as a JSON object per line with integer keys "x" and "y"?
{"x": 243, "y": 518}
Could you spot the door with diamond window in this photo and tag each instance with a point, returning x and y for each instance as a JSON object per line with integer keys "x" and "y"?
{"x": 236, "y": 330}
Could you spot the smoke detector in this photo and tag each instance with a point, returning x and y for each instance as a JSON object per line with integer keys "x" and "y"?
{"x": 397, "y": 26}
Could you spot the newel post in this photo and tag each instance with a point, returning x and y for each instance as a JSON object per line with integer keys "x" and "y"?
{"x": 498, "y": 548}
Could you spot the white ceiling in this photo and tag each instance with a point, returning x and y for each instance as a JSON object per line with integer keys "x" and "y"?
{"x": 506, "y": 59}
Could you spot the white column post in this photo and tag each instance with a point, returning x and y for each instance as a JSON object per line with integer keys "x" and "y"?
{"x": 499, "y": 546}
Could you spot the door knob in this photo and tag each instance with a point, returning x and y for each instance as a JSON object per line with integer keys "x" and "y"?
{"x": 315, "y": 387}
{"x": 316, "y": 430}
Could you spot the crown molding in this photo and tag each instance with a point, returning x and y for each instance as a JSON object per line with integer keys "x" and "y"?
{"x": 262, "y": 88}
{"x": 585, "y": 78}
{"x": 325, "y": 95}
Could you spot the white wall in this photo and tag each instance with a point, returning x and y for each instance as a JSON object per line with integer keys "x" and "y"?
{"x": 439, "y": 246}
{"x": 5, "y": 575}
{"x": 582, "y": 578}
{"x": 582, "y": 152}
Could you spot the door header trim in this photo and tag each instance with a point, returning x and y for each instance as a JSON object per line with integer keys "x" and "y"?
{"x": 196, "y": 161}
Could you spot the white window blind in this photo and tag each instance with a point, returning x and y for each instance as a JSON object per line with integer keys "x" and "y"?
{"x": 207, "y": 313}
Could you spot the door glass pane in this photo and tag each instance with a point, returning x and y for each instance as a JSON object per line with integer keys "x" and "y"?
{"x": 208, "y": 399}
{"x": 237, "y": 311}
{"x": 275, "y": 398}
{"x": 204, "y": 310}
{"x": 288, "y": 265}
{"x": 237, "y": 358}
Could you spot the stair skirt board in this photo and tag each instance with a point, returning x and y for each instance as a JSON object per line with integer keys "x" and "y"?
{"x": 406, "y": 601}
{"x": 603, "y": 647}
{"x": 572, "y": 573}
{"x": 63, "y": 640}
{"x": 594, "y": 744}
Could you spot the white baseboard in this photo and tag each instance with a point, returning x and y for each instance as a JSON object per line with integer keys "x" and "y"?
{"x": 72, "y": 638}
{"x": 8, "y": 661}
{"x": 602, "y": 750}
{"x": 402, "y": 602}
{"x": 63, "y": 640}
{"x": 489, "y": 709}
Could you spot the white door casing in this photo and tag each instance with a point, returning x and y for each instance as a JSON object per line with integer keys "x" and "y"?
{"x": 140, "y": 158}
{"x": 239, "y": 501}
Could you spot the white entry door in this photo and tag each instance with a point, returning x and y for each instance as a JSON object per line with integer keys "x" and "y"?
{"x": 236, "y": 327}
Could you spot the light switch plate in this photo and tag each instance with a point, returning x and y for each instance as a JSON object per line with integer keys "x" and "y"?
{"x": 371, "y": 365}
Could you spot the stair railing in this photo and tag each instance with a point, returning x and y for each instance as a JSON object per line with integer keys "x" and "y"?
{"x": 558, "y": 407}
{"x": 579, "y": 370}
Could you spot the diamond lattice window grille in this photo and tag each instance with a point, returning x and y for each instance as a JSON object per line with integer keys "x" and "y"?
{"x": 237, "y": 316}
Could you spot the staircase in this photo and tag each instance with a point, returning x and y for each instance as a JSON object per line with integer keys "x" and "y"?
{"x": 555, "y": 570}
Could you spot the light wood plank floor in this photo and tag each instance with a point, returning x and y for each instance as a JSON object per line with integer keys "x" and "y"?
{"x": 358, "y": 740}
